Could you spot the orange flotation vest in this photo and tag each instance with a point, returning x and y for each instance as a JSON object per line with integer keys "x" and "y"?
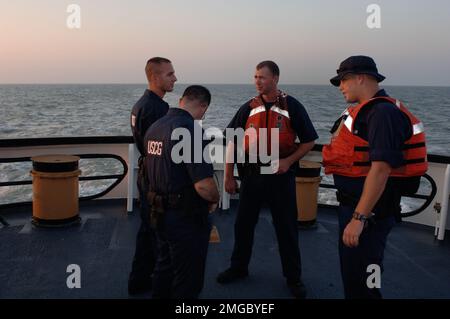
{"x": 276, "y": 117}
{"x": 348, "y": 154}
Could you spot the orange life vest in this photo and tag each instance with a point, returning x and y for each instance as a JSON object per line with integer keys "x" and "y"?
{"x": 348, "y": 154}
{"x": 276, "y": 117}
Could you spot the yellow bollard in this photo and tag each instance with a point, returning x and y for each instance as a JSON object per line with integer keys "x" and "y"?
{"x": 55, "y": 190}
{"x": 307, "y": 181}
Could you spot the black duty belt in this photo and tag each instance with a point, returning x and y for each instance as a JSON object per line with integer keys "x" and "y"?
{"x": 168, "y": 201}
{"x": 251, "y": 169}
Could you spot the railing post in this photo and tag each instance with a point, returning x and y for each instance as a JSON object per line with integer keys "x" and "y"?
{"x": 444, "y": 207}
{"x": 131, "y": 176}
{"x": 225, "y": 197}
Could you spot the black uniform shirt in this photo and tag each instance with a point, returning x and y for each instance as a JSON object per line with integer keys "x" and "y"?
{"x": 149, "y": 108}
{"x": 168, "y": 175}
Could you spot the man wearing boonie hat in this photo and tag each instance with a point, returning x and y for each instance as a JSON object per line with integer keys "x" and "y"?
{"x": 377, "y": 154}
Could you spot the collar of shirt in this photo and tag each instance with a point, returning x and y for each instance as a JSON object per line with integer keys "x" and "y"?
{"x": 153, "y": 95}
{"x": 176, "y": 111}
{"x": 381, "y": 92}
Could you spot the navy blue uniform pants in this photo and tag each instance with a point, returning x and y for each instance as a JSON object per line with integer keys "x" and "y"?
{"x": 370, "y": 251}
{"x": 183, "y": 245}
{"x": 146, "y": 248}
{"x": 278, "y": 191}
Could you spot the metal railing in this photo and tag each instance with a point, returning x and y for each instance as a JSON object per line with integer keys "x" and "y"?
{"x": 117, "y": 177}
{"x": 428, "y": 198}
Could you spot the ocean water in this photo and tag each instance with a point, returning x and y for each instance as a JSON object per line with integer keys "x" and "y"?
{"x": 96, "y": 110}
{"x": 30, "y": 111}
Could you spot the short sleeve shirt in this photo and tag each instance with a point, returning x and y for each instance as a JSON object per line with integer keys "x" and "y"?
{"x": 149, "y": 108}
{"x": 175, "y": 153}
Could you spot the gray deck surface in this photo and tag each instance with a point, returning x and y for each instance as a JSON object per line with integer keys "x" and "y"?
{"x": 33, "y": 261}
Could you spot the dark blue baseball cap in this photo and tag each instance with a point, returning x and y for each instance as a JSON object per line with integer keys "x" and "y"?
{"x": 358, "y": 64}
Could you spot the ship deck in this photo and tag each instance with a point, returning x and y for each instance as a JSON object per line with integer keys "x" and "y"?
{"x": 33, "y": 261}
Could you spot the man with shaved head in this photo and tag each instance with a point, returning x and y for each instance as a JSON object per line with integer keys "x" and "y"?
{"x": 150, "y": 107}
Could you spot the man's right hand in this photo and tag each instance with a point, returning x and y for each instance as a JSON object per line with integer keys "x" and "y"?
{"x": 230, "y": 184}
{"x": 212, "y": 207}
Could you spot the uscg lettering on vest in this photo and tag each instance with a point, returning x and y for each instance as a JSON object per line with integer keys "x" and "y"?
{"x": 154, "y": 148}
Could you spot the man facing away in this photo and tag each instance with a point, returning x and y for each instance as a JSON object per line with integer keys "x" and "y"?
{"x": 376, "y": 154}
{"x": 149, "y": 108}
{"x": 271, "y": 110}
{"x": 182, "y": 192}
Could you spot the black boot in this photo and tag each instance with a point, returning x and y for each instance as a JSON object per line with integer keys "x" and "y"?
{"x": 139, "y": 285}
{"x": 298, "y": 289}
{"x": 231, "y": 275}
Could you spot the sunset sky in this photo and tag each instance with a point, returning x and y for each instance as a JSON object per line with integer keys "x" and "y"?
{"x": 218, "y": 41}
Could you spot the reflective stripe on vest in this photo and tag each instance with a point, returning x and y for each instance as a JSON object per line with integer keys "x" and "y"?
{"x": 348, "y": 154}
{"x": 257, "y": 110}
{"x": 277, "y": 117}
{"x": 285, "y": 113}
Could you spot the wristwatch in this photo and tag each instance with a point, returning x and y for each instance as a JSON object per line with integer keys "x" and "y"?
{"x": 361, "y": 217}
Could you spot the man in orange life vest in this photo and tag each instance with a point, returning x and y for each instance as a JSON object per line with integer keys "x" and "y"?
{"x": 376, "y": 153}
{"x": 271, "y": 109}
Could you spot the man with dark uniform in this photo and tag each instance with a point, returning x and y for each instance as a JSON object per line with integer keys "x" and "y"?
{"x": 271, "y": 109}
{"x": 150, "y": 107}
{"x": 376, "y": 154}
{"x": 182, "y": 192}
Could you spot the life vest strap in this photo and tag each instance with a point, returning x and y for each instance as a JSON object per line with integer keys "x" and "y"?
{"x": 404, "y": 147}
{"x": 407, "y": 162}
